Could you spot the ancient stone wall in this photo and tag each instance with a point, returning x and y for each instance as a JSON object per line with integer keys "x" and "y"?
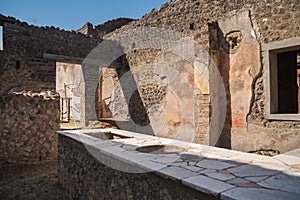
{"x": 232, "y": 33}
{"x": 105, "y": 28}
{"x": 192, "y": 15}
{"x": 229, "y": 36}
{"x": 22, "y": 61}
{"x": 85, "y": 177}
{"x": 28, "y": 125}
{"x": 163, "y": 97}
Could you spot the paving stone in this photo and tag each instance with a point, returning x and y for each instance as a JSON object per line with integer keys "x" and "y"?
{"x": 207, "y": 171}
{"x": 206, "y": 184}
{"x": 257, "y": 194}
{"x": 256, "y": 179}
{"x": 114, "y": 150}
{"x": 166, "y": 160}
{"x": 237, "y": 180}
{"x": 233, "y": 162}
{"x": 283, "y": 182}
{"x": 222, "y": 153}
{"x": 220, "y": 176}
{"x": 213, "y": 164}
{"x": 132, "y": 156}
{"x": 194, "y": 150}
{"x": 192, "y": 163}
{"x": 96, "y": 143}
{"x": 247, "y": 185}
{"x": 201, "y": 147}
{"x": 251, "y": 157}
{"x": 104, "y": 145}
{"x": 251, "y": 170}
{"x": 287, "y": 159}
{"x": 171, "y": 155}
{"x": 84, "y": 138}
{"x": 192, "y": 168}
{"x": 296, "y": 166}
{"x": 129, "y": 147}
{"x": 200, "y": 152}
{"x": 152, "y": 156}
{"x": 295, "y": 152}
{"x": 151, "y": 166}
{"x": 176, "y": 172}
{"x": 178, "y": 164}
{"x": 223, "y": 171}
{"x": 293, "y": 172}
{"x": 191, "y": 157}
{"x": 272, "y": 166}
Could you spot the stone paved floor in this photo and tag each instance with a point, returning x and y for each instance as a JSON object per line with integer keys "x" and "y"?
{"x": 30, "y": 182}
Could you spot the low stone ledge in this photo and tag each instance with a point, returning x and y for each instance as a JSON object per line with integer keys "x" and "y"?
{"x": 207, "y": 172}
{"x": 84, "y": 177}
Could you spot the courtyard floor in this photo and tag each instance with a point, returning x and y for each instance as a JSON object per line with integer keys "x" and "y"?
{"x": 29, "y": 181}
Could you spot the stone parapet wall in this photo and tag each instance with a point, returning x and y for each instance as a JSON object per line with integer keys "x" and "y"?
{"x": 147, "y": 167}
{"x": 85, "y": 177}
{"x": 20, "y": 38}
{"x": 105, "y": 28}
{"x": 28, "y": 125}
{"x": 190, "y": 16}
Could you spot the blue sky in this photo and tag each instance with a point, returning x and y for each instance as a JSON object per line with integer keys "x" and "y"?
{"x": 72, "y": 14}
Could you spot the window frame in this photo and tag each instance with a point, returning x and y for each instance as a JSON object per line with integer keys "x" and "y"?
{"x": 271, "y": 51}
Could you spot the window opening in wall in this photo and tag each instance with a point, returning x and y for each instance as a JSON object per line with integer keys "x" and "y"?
{"x": 283, "y": 80}
{"x": 288, "y": 83}
{"x": 1, "y": 38}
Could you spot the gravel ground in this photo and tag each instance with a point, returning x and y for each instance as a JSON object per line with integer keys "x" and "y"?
{"x": 28, "y": 181}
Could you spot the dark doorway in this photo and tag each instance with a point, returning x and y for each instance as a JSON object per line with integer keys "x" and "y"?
{"x": 287, "y": 82}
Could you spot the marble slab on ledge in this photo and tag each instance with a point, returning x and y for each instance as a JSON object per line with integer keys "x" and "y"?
{"x": 226, "y": 174}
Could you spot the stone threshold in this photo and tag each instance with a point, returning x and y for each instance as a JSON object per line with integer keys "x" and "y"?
{"x": 223, "y": 173}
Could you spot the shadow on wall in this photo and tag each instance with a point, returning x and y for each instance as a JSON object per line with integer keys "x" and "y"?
{"x": 136, "y": 109}
{"x": 220, "y": 135}
{"x": 128, "y": 111}
{"x": 101, "y": 107}
{"x": 133, "y": 111}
